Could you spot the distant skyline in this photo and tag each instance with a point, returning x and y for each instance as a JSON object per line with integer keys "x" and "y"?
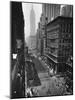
{"x": 26, "y": 11}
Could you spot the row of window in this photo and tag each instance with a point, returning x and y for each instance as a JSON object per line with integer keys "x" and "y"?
{"x": 64, "y": 53}
{"x": 66, "y": 40}
{"x": 67, "y": 35}
{"x": 66, "y": 27}
{"x": 61, "y": 41}
{"x": 68, "y": 46}
{"x": 50, "y": 29}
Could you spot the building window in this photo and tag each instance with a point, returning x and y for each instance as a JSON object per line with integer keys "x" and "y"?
{"x": 52, "y": 40}
{"x": 52, "y": 50}
{"x": 63, "y": 28}
{"x": 69, "y": 28}
{"x": 63, "y": 40}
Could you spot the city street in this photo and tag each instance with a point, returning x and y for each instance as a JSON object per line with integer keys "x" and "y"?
{"x": 49, "y": 85}
{"x": 39, "y": 66}
{"x": 41, "y": 50}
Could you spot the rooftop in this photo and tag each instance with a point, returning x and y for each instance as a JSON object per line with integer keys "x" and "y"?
{"x": 60, "y": 18}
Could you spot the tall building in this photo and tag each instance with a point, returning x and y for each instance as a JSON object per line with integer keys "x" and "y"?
{"x": 59, "y": 42}
{"x": 32, "y": 38}
{"x": 51, "y": 11}
{"x": 39, "y": 39}
{"x": 67, "y": 11}
{"x": 32, "y": 22}
{"x": 17, "y": 47}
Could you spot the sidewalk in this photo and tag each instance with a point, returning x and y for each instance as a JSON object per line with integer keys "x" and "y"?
{"x": 43, "y": 64}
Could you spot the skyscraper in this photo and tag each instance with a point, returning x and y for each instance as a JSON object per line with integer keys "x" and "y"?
{"x": 32, "y": 22}
{"x": 32, "y": 38}
{"x": 51, "y": 11}
{"x": 67, "y": 11}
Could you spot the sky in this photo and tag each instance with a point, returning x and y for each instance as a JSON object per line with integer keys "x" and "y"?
{"x": 26, "y": 11}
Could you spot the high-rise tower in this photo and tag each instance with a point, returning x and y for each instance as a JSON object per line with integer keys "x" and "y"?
{"x": 32, "y": 38}
{"x": 32, "y": 22}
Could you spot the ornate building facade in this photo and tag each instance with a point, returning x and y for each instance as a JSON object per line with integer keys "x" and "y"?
{"x": 59, "y": 42}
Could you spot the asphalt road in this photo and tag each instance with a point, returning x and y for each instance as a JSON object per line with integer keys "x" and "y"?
{"x": 39, "y": 67}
